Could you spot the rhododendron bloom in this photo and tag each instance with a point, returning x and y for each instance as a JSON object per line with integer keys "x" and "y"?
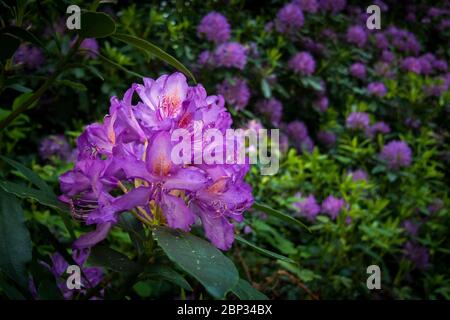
{"x": 126, "y": 164}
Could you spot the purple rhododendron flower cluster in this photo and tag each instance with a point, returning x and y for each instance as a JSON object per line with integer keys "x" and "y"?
{"x": 359, "y": 175}
{"x": 55, "y": 146}
{"x": 308, "y": 207}
{"x": 29, "y": 56}
{"x": 357, "y": 35}
{"x": 333, "y": 6}
{"x": 272, "y": 109}
{"x": 289, "y": 18}
{"x": 397, "y": 154}
{"x": 377, "y": 89}
{"x": 311, "y": 6}
{"x": 236, "y": 93}
{"x": 214, "y": 27}
{"x": 357, "y": 120}
{"x": 417, "y": 254}
{"x": 332, "y": 206}
{"x": 298, "y": 132}
{"x": 321, "y": 104}
{"x": 302, "y": 63}
{"x": 230, "y": 54}
{"x": 358, "y": 70}
{"x": 125, "y": 164}
{"x": 328, "y": 138}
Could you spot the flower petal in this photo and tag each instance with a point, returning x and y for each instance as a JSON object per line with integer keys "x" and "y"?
{"x": 178, "y": 215}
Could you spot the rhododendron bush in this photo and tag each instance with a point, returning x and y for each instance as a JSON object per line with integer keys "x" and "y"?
{"x": 224, "y": 150}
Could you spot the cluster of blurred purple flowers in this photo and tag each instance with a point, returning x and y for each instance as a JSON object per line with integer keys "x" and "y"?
{"x": 125, "y": 164}
{"x": 289, "y": 19}
{"x": 29, "y": 56}
{"x": 214, "y": 27}
{"x": 302, "y": 63}
{"x": 397, "y": 154}
{"x": 272, "y": 109}
{"x": 236, "y": 92}
{"x": 357, "y": 35}
{"x": 309, "y": 207}
{"x": 377, "y": 89}
{"x": 55, "y": 146}
{"x": 298, "y": 133}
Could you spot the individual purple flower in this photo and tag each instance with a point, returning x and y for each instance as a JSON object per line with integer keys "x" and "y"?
{"x": 55, "y": 146}
{"x": 90, "y": 48}
{"x": 289, "y": 19}
{"x": 411, "y": 227}
{"x": 377, "y": 89}
{"x": 248, "y": 230}
{"x": 328, "y": 138}
{"x": 272, "y": 109}
{"x": 333, "y": 6}
{"x": 214, "y": 27}
{"x": 302, "y": 63}
{"x": 357, "y": 120}
{"x": 332, "y": 206}
{"x": 357, "y": 35}
{"x": 230, "y": 54}
{"x": 417, "y": 254}
{"x": 126, "y": 164}
{"x": 29, "y": 56}
{"x": 311, "y": 6}
{"x": 358, "y": 70}
{"x": 397, "y": 154}
{"x": 236, "y": 93}
{"x": 359, "y": 175}
{"x": 321, "y": 104}
{"x": 307, "y": 207}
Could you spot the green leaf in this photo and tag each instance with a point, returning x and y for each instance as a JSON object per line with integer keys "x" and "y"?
{"x": 200, "y": 259}
{"x": 79, "y": 87}
{"x": 245, "y": 291}
{"x": 155, "y": 51}
{"x": 280, "y": 215}
{"x": 96, "y": 25}
{"x": 135, "y": 231}
{"x": 9, "y": 46}
{"x": 168, "y": 274}
{"x": 118, "y": 66}
{"x": 114, "y": 260}
{"x": 263, "y": 251}
{"x": 22, "y": 191}
{"x": 29, "y": 174}
{"x": 23, "y": 34}
{"x": 10, "y": 291}
{"x": 15, "y": 242}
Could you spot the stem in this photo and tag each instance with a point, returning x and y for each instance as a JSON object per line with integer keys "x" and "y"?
{"x": 35, "y": 97}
